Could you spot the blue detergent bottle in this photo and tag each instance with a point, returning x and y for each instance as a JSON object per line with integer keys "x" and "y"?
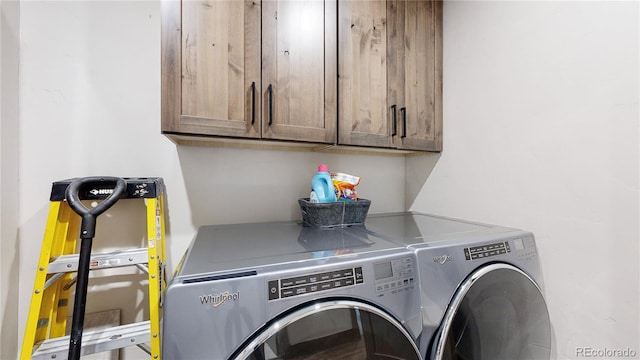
{"x": 322, "y": 185}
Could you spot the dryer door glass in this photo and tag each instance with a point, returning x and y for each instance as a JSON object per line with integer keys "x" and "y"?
{"x": 332, "y": 330}
{"x": 497, "y": 313}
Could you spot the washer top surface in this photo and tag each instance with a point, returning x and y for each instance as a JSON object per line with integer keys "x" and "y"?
{"x": 414, "y": 228}
{"x": 248, "y": 246}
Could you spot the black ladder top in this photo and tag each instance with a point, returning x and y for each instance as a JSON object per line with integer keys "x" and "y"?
{"x": 137, "y": 188}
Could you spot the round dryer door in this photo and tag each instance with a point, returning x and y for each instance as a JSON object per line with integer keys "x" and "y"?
{"x": 332, "y": 330}
{"x": 497, "y": 313}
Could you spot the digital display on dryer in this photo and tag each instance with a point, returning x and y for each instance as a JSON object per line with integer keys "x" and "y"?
{"x": 383, "y": 270}
{"x": 392, "y": 277}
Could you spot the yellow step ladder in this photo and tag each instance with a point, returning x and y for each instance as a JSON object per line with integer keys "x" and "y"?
{"x": 60, "y": 267}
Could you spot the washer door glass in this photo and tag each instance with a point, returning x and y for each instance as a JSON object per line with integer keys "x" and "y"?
{"x": 332, "y": 330}
{"x": 497, "y": 313}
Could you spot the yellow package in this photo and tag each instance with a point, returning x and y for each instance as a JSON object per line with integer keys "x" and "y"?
{"x": 345, "y": 186}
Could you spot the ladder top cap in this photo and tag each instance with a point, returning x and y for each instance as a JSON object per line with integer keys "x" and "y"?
{"x": 137, "y": 188}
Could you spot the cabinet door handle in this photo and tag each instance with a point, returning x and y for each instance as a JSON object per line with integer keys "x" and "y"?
{"x": 253, "y": 102}
{"x": 270, "y": 93}
{"x": 394, "y": 125}
{"x": 403, "y": 111}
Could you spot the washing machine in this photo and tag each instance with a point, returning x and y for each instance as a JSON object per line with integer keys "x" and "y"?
{"x": 481, "y": 287}
{"x": 283, "y": 291}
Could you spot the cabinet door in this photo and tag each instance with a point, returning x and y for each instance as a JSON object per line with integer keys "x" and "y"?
{"x": 415, "y": 72}
{"x": 299, "y": 90}
{"x": 211, "y": 67}
{"x": 364, "y": 112}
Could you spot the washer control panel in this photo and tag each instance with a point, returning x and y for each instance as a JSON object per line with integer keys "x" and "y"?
{"x": 393, "y": 276}
{"x": 300, "y": 285}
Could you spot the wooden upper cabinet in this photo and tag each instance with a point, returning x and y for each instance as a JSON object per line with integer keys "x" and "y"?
{"x": 363, "y": 73}
{"x": 210, "y": 66}
{"x": 362, "y": 68}
{"x": 390, "y": 74}
{"x": 416, "y": 72}
{"x": 299, "y": 70}
{"x": 250, "y": 69}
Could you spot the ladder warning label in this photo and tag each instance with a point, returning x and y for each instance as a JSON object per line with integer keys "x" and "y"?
{"x": 158, "y": 222}
{"x": 104, "y": 262}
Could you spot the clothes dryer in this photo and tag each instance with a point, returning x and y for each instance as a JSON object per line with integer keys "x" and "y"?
{"x": 283, "y": 291}
{"x": 481, "y": 287}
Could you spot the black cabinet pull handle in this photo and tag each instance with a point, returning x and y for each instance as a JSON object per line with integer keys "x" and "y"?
{"x": 394, "y": 125}
{"x": 403, "y": 111}
{"x": 270, "y": 91}
{"x": 253, "y": 102}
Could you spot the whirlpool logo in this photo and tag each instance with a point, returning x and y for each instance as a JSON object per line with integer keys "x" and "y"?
{"x": 216, "y": 300}
{"x": 442, "y": 259}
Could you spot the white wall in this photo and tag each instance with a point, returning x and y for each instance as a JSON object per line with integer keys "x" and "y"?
{"x": 541, "y": 132}
{"x": 90, "y": 105}
{"x": 9, "y": 28}
{"x": 541, "y": 129}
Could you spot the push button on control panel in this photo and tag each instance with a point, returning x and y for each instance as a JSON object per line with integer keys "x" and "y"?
{"x": 273, "y": 289}
{"x": 359, "y": 276}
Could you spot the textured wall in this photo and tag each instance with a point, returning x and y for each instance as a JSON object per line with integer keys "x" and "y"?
{"x": 541, "y": 132}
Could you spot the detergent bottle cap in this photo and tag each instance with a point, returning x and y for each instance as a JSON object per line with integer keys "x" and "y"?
{"x": 323, "y": 168}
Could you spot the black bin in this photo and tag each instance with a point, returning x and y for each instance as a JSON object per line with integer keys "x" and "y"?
{"x": 333, "y": 214}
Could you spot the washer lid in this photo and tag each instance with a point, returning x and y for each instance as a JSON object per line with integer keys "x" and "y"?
{"x": 250, "y": 246}
{"x": 412, "y": 228}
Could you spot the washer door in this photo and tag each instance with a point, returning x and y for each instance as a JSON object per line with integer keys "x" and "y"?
{"x": 497, "y": 313}
{"x": 339, "y": 329}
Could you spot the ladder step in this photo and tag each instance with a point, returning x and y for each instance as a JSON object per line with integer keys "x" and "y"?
{"x": 118, "y": 258}
{"x": 137, "y": 188}
{"x": 96, "y": 341}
